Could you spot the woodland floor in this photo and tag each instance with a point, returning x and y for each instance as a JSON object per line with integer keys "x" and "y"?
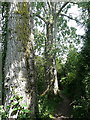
{"x": 64, "y": 109}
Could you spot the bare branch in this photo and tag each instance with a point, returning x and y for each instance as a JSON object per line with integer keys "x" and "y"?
{"x": 49, "y": 5}
{"x": 61, "y": 8}
{"x": 44, "y": 93}
{"x": 41, "y": 18}
{"x": 71, "y": 18}
{"x": 74, "y": 3}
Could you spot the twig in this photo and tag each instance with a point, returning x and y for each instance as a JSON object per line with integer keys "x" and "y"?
{"x": 41, "y": 18}
{"x": 61, "y": 8}
{"x": 71, "y": 18}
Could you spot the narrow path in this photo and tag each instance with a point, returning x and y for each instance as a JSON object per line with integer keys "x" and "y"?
{"x": 64, "y": 109}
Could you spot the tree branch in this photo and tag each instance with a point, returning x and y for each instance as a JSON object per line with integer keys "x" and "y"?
{"x": 74, "y": 3}
{"x": 41, "y": 18}
{"x": 49, "y": 5}
{"x": 71, "y": 18}
{"x": 61, "y": 8}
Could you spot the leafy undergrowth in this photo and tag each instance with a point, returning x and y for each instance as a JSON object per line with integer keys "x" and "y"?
{"x": 48, "y": 104}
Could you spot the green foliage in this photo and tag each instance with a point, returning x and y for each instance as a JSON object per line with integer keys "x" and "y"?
{"x": 79, "y": 109}
{"x": 39, "y": 41}
{"x": 48, "y": 105}
{"x": 16, "y": 107}
{"x": 3, "y": 113}
{"x": 68, "y": 79}
{"x": 84, "y": 5}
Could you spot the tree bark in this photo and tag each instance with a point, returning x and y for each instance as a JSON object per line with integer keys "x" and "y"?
{"x": 50, "y": 57}
{"x": 19, "y": 64}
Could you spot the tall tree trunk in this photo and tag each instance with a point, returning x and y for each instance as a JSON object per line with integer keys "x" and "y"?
{"x": 19, "y": 65}
{"x": 50, "y": 57}
{"x": 56, "y": 88}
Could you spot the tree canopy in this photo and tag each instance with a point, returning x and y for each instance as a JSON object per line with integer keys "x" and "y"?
{"x": 45, "y": 64}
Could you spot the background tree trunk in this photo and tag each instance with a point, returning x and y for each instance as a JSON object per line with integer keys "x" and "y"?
{"x": 50, "y": 57}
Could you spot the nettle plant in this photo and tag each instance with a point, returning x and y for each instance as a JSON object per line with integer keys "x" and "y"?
{"x": 20, "y": 110}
